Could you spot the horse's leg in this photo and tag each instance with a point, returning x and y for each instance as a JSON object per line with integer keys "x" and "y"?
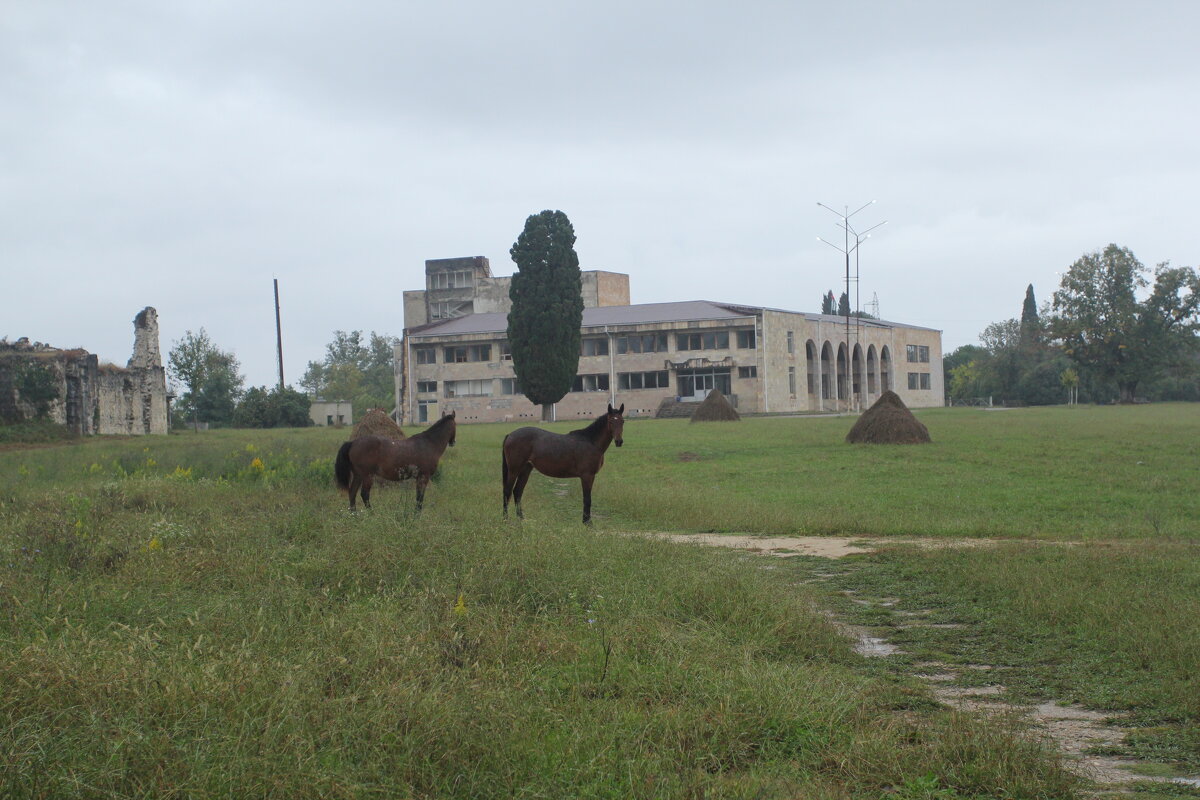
{"x": 586, "y": 481}
{"x": 355, "y": 483}
{"x": 422, "y": 482}
{"x": 508, "y": 479}
{"x": 519, "y": 489}
{"x": 367, "y": 483}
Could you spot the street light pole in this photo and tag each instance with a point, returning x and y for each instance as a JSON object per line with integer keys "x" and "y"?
{"x": 846, "y": 250}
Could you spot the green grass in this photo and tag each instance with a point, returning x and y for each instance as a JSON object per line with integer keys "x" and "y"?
{"x": 197, "y": 615}
{"x": 1113, "y": 626}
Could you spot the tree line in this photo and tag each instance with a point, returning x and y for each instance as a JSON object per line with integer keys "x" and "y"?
{"x": 356, "y": 369}
{"x": 1112, "y": 331}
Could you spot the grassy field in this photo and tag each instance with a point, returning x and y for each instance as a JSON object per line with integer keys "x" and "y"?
{"x": 197, "y": 615}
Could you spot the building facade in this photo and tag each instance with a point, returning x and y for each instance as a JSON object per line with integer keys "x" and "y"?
{"x": 650, "y": 356}
{"x": 331, "y": 413}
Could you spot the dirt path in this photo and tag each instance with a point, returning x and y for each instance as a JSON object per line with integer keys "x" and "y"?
{"x": 822, "y": 546}
{"x": 1073, "y": 729}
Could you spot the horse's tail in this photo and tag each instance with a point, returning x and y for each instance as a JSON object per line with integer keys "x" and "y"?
{"x": 341, "y": 467}
{"x": 503, "y": 463}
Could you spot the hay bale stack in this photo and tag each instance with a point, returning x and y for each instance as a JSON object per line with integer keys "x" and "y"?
{"x": 376, "y": 422}
{"x": 715, "y": 408}
{"x": 888, "y": 422}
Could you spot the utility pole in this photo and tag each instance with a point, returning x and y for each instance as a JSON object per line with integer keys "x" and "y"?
{"x": 278, "y": 335}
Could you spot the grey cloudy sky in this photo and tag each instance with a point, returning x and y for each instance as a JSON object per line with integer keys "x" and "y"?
{"x": 183, "y": 154}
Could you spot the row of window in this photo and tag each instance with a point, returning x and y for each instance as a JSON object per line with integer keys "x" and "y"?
{"x": 918, "y": 380}
{"x": 454, "y": 279}
{"x": 917, "y": 353}
{"x": 597, "y": 346}
{"x": 472, "y": 388}
{"x": 641, "y": 343}
{"x": 598, "y": 382}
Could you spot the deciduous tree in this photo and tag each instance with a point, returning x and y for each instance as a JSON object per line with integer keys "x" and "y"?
{"x": 547, "y": 309}
{"x": 1107, "y": 330}
{"x": 210, "y": 375}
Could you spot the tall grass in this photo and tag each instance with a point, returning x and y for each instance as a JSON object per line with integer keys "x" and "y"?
{"x": 198, "y": 615}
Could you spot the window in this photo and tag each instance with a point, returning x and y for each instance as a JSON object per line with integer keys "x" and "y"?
{"x": 643, "y": 380}
{"x": 791, "y": 339}
{"x": 642, "y": 343}
{"x": 792, "y": 380}
{"x": 440, "y": 310}
{"x": 590, "y": 383}
{"x": 424, "y": 407}
{"x": 426, "y": 386}
{"x": 505, "y": 351}
{"x": 918, "y": 380}
{"x": 745, "y": 340}
{"x": 747, "y": 372}
{"x": 509, "y": 386}
{"x": 917, "y": 353}
{"x": 480, "y": 388}
{"x": 467, "y": 353}
{"x": 329, "y": 419}
{"x": 924, "y": 380}
{"x": 593, "y": 347}
{"x": 455, "y": 279}
{"x": 697, "y": 383}
{"x": 426, "y": 355}
{"x": 711, "y": 340}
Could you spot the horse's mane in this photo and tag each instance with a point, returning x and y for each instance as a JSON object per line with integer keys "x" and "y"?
{"x": 592, "y": 432}
{"x": 436, "y": 428}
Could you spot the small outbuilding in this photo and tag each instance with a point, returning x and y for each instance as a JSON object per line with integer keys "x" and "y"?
{"x": 888, "y": 421}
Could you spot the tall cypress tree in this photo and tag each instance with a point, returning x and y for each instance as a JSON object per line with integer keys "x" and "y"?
{"x": 844, "y": 305}
{"x": 1031, "y": 325}
{"x": 827, "y": 303}
{"x": 547, "y": 309}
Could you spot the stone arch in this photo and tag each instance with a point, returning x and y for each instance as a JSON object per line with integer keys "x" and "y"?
{"x": 858, "y": 383}
{"x": 872, "y": 372}
{"x": 810, "y": 359}
{"x": 885, "y": 369}
{"x": 826, "y": 371}
{"x": 843, "y": 372}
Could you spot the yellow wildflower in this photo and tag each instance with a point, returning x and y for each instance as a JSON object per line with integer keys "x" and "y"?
{"x": 460, "y": 608}
{"x": 155, "y": 544}
{"x": 257, "y": 464}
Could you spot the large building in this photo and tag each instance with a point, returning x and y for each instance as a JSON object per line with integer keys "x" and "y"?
{"x": 455, "y": 355}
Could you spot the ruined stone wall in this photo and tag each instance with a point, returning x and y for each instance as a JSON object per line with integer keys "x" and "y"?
{"x": 86, "y": 397}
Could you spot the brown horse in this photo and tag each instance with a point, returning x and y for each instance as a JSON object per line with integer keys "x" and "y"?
{"x": 359, "y": 461}
{"x": 578, "y": 454}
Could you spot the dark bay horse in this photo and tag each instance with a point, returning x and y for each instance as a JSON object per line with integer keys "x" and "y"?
{"x": 578, "y": 454}
{"x": 359, "y": 461}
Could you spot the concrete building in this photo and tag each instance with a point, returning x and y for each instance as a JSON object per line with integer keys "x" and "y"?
{"x": 454, "y": 355}
{"x": 331, "y": 413}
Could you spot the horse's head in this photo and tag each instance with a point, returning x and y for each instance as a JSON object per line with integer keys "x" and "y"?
{"x": 453, "y": 428}
{"x": 616, "y": 424}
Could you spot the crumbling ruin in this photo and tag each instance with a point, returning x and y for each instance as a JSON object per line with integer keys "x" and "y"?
{"x": 72, "y": 388}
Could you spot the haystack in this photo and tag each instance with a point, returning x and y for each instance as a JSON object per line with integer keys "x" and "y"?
{"x": 715, "y": 408}
{"x": 376, "y": 422}
{"x": 888, "y": 422}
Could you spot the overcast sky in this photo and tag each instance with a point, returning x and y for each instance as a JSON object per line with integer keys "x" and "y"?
{"x": 183, "y": 154}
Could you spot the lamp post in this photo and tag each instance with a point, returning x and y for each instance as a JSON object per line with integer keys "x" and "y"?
{"x": 846, "y": 250}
